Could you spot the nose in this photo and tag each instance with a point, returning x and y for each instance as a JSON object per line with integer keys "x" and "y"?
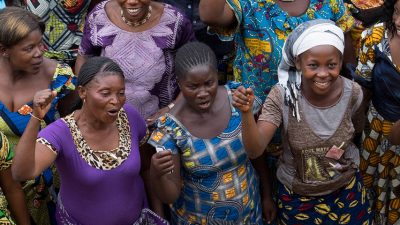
{"x": 323, "y": 71}
{"x": 202, "y": 93}
{"x": 39, "y": 49}
{"x": 114, "y": 99}
{"x": 132, "y": 1}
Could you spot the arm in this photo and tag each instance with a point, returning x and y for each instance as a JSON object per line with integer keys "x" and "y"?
{"x": 29, "y": 162}
{"x": 216, "y": 13}
{"x": 394, "y": 136}
{"x": 255, "y": 136}
{"x": 156, "y": 205}
{"x": 268, "y": 204}
{"x": 15, "y": 197}
{"x": 80, "y": 60}
{"x": 165, "y": 175}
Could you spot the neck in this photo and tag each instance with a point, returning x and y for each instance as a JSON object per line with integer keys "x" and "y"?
{"x": 86, "y": 119}
{"x": 8, "y": 71}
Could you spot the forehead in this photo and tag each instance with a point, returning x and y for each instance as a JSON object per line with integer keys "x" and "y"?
{"x": 107, "y": 78}
{"x": 200, "y": 72}
{"x": 322, "y": 50}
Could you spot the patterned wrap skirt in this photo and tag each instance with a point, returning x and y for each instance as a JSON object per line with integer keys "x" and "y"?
{"x": 347, "y": 205}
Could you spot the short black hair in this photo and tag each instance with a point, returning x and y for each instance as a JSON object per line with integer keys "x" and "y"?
{"x": 191, "y": 55}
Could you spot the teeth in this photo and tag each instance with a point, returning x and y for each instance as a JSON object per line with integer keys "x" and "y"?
{"x": 321, "y": 83}
{"x": 133, "y": 11}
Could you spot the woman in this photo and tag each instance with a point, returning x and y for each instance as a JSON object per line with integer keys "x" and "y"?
{"x": 260, "y": 29}
{"x": 24, "y": 71}
{"x": 64, "y": 26}
{"x": 378, "y": 65}
{"x": 141, "y": 36}
{"x": 18, "y": 214}
{"x": 317, "y": 108}
{"x": 95, "y": 149}
{"x": 202, "y": 168}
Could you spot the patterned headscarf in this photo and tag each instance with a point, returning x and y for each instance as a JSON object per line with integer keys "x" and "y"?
{"x": 306, "y": 36}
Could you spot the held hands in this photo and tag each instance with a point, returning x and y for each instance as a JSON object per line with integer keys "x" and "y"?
{"x": 243, "y": 99}
{"x": 161, "y": 163}
{"x": 42, "y": 102}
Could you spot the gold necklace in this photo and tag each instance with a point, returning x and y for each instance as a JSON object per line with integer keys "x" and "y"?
{"x": 138, "y": 23}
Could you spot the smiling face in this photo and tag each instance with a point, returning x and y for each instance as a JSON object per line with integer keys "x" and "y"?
{"x": 199, "y": 87}
{"x": 320, "y": 67}
{"x": 27, "y": 55}
{"x": 396, "y": 17}
{"x": 104, "y": 96}
{"x": 134, "y": 10}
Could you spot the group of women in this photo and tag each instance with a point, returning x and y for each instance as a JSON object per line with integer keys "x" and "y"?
{"x": 115, "y": 144}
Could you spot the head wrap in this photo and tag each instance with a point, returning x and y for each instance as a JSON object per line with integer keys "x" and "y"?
{"x": 306, "y": 36}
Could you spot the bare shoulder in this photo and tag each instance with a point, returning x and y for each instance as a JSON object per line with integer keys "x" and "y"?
{"x": 50, "y": 66}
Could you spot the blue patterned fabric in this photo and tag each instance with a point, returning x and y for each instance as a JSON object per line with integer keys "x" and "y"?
{"x": 262, "y": 30}
{"x": 220, "y": 186}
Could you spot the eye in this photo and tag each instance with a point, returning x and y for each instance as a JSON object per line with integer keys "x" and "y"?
{"x": 332, "y": 65}
{"x": 105, "y": 93}
{"x": 122, "y": 93}
{"x": 312, "y": 65}
{"x": 28, "y": 49}
{"x": 209, "y": 83}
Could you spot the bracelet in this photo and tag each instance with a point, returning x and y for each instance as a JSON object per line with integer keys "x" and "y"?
{"x": 170, "y": 105}
{"x": 41, "y": 120}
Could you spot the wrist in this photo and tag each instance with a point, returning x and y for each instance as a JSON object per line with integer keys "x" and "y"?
{"x": 170, "y": 105}
{"x": 36, "y": 117}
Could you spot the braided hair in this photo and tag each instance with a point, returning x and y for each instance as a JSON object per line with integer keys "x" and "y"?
{"x": 191, "y": 55}
{"x": 96, "y": 66}
{"x": 93, "y": 68}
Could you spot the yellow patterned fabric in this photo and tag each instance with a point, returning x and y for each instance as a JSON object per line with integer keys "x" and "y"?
{"x": 5, "y": 162}
{"x": 380, "y": 160}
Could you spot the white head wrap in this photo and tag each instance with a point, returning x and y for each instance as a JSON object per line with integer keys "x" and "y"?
{"x": 306, "y": 36}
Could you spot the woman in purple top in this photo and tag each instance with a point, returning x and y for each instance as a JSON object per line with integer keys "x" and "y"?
{"x": 141, "y": 36}
{"x": 95, "y": 149}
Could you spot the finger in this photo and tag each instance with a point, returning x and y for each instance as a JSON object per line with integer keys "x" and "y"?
{"x": 243, "y": 100}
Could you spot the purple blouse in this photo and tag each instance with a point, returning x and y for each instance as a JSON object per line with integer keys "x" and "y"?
{"x": 91, "y": 195}
{"x": 147, "y": 58}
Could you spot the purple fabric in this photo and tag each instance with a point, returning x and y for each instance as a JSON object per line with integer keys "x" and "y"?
{"x": 93, "y": 196}
{"x": 147, "y": 58}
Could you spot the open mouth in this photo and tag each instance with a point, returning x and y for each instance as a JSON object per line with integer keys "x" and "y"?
{"x": 134, "y": 11}
{"x": 113, "y": 112}
{"x": 204, "y": 105}
{"x": 322, "y": 85}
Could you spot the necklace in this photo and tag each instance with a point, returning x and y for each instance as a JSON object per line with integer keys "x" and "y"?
{"x": 138, "y": 23}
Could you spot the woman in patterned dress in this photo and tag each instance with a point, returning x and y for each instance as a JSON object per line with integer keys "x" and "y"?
{"x": 95, "y": 149}
{"x": 378, "y": 70}
{"x": 24, "y": 71}
{"x": 201, "y": 166}
{"x": 6, "y": 156}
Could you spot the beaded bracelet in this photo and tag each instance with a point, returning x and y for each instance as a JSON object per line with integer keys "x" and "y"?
{"x": 41, "y": 120}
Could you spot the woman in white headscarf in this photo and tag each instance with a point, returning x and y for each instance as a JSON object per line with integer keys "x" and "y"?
{"x": 318, "y": 174}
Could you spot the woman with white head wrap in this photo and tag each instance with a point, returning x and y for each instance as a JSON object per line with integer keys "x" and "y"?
{"x": 318, "y": 174}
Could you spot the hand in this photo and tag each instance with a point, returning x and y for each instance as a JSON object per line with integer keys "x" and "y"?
{"x": 152, "y": 119}
{"x": 161, "y": 163}
{"x": 269, "y": 209}
{"x": 243, "y": 99}
{"x": 42, "y": 102}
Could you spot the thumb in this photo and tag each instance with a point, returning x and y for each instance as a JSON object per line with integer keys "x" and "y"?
{"x": 249, "y": 91}
{"x": 53, "y": 93}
